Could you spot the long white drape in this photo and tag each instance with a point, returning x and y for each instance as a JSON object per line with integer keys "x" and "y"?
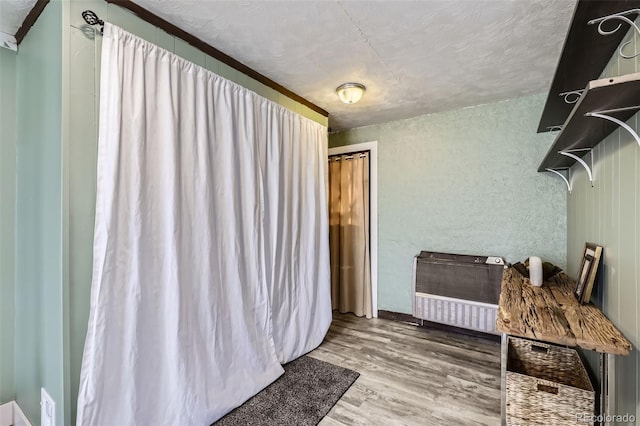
{"x": 296, "y": 236}
{"x": 210, "y": 248}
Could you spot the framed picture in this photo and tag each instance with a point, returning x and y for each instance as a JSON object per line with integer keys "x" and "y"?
{"x": 587, "y": 272}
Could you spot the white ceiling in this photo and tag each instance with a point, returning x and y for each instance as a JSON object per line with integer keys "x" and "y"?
{"x": 12, "y": 14}
{"x": 415, "y": 57}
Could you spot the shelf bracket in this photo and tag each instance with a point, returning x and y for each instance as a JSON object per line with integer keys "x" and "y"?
{"x": 572, "y": 97}
{"x": 564, "y": 178}
{"x": 605, "y": 115}
{"x": 570, "y": 153}
{"x": 621, "y": 16}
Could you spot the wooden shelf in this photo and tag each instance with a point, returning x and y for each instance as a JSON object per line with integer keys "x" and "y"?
{"x": 581, "y": 131}
{"x": 584, "y": 55}
{"x": 552, "y": 314}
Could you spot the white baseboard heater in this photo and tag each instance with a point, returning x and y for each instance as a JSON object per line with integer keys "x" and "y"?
{"x": 457, "y": 290}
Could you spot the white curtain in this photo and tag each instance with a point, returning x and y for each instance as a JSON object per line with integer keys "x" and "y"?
{"x": 210, "y": 249}
{"x": 297, "y": 235}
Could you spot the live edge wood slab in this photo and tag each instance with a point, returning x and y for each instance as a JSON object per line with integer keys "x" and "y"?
{"x": 552, "y": 314}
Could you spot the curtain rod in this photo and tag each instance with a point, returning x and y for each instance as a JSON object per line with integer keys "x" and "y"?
{"x": 171, "y": 29}
{"x": 349, "y": 156}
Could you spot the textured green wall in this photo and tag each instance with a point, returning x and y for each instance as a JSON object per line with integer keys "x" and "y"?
{"x": 462, "y": 182}
{"x": 607, "y": 214}
{"x": 7, "y": 220}
{"x": 39, "y": 283}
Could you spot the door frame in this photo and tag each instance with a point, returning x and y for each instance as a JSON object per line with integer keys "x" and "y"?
{"x": 372, "y": 147}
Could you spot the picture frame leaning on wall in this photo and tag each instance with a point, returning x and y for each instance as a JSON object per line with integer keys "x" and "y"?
{"x": 587, "y": 272}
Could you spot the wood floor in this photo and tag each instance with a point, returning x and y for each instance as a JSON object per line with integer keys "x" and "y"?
{"x": 412, "y": 375}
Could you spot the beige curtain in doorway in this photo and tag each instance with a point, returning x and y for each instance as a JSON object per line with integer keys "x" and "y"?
{"x": 349, "y": 234}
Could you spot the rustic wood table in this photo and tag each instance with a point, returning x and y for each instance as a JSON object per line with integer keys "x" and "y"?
{"x": 552, "y": 314}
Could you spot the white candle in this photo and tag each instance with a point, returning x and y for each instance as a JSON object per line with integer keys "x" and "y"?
{"x": 535, "y": 271}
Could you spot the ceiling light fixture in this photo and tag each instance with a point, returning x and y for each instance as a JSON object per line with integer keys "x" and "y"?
{"x": 350, "y": 93}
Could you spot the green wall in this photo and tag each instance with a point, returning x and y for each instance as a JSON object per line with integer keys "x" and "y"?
{"x": 462, "y": 182}
{"x": 39, "y": 283}
{"x": 607, "y": 214}
{"x": 7, "y": 220}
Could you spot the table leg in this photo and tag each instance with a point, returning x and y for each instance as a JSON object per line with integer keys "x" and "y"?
{"x": 503, "y": 380}
{"x": 604, "y": 391}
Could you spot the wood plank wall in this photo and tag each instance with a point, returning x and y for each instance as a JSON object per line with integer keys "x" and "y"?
{"x": 607, "y": 214}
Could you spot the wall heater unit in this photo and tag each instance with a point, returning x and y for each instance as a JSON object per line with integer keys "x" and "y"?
{"x": 457, "y": 290}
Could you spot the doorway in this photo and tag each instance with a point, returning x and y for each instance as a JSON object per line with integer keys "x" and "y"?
{"x": 353, "y": 222}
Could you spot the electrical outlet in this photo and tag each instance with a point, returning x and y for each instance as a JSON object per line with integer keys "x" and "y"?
{"x": 47, "y": 409}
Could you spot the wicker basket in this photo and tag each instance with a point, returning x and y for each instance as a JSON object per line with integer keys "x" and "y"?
{"x": 546, "y": 385}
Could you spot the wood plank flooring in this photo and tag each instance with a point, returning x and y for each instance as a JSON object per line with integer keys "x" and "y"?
{"x": 412, "y": 375}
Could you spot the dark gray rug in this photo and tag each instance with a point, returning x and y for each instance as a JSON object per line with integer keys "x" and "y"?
{"x": 303, "y": 395}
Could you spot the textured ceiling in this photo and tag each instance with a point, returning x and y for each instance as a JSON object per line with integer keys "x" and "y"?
{"x": 415, "y": 57}
{"x": 12, "y": 14}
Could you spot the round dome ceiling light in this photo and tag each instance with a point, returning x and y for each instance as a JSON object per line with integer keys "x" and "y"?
{"x": 350, "y": 93}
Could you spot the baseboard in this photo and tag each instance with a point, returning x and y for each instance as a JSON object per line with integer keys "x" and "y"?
{"x": 398, "y": 316}
{"x": 6, "y": 414}
{"x": 12, "y": 415}
{"x": 410, "y": 319}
